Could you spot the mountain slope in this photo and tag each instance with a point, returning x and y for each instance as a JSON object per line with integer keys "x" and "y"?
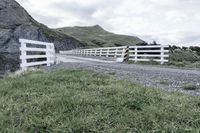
{"x": 16, "y": 23}
{"x": 96, "y": 36}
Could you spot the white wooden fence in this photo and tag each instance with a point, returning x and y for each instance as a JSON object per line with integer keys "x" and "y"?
{"x": 117, "y": 52}
{"x": 35, "y": 53}
{"x": 158, "y": 53}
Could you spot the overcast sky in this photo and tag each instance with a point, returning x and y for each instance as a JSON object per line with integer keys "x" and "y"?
{"x": 166, "y": 21}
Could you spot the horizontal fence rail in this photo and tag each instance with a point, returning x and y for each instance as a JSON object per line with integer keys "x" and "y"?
{"x": 35, "y": 53}
{"x": 158, "y": 53}
{"x": 116, "y": 52}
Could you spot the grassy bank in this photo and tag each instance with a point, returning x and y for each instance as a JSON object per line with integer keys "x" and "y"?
{"x": 83, "y": 101}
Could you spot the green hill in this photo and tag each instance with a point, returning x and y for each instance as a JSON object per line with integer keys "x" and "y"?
{"x": 96, "y": 36}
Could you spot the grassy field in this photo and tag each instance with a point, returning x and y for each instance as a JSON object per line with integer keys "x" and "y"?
{"x": 84, "y": 101}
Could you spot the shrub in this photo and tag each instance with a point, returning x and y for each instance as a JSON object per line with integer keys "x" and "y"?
{"x": 190, "y": 87}
{"x": 180, "y": 55}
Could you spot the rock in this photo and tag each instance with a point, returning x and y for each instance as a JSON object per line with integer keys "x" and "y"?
{"x": 12, "y": 14}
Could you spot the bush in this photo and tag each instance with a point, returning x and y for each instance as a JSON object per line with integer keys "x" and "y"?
{"x": 190, "y": 87}
{"x": 180, "y": 55}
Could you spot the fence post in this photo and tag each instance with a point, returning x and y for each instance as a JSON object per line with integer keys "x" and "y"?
{"x": 136, "y": 53}
{"x": 126, "y": 53}
{"x": 23, "y": 56}
{"x": 100, "y": 52}
{"x": 116, "y": 51}
{"x": 81, "y": 52}
{"x": 162, "y": 55}
{"x": 95, "y": 52}
{"x": 108, "y": 50}
{"x": 54, "y": 52}
{"x": 48, "y": 55}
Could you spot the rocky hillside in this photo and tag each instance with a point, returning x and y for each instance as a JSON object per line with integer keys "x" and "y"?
{"x": 96, "y": 36}
{"x": 16, "y": 23}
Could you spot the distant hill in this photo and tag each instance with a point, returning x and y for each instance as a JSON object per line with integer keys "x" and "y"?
{"x": 96, "y": 36}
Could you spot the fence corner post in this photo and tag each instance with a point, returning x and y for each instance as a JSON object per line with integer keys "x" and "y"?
{"x": 23, "y": 55}
{"x": 162, "y": 55}
{"x": 48, "y": 55}
{"x": 126, "y": 56}
{"x": 136, "y": 54}
{"x": 107, "y": 54}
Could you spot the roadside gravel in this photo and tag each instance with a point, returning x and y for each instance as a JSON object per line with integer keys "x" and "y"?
{"x": 168, "y": 79}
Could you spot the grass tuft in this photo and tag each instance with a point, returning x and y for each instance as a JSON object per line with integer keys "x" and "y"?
{"x": 190, "y": 87}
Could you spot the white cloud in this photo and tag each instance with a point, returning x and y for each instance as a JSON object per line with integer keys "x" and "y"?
{"x": 166, "y": 21}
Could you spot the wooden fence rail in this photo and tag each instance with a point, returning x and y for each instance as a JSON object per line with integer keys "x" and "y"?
{"x": 158, "y": 53}
{"x": 116, "y": 52}
{"x": 34, "y": 53}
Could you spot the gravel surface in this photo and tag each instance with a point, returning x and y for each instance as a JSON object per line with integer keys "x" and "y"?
{"x": 168, "y": 79}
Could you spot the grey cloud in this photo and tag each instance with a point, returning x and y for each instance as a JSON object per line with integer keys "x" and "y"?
{"x": 73, "y": 7}
{"x": 50, "y": 20}
{"x": 146, "y": 18}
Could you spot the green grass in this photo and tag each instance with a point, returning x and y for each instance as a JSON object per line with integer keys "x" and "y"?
{"x": 84, "y": 101}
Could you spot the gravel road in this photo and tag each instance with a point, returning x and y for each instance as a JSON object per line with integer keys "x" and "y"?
{"x": 169, "y": 79}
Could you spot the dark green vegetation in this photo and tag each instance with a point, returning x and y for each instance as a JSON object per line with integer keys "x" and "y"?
{"x": 84, "y": 101}
{"x": 96, "y": 36}
{"x": 53, "y": 34}
{"x": 185, "y": 57}
{"x": 190, "y": 87}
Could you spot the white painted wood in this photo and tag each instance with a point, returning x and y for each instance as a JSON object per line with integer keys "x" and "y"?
{"x": 162, "y": 55}
{"x": 149, "y": 51}
{"x": 148, "y": 55}
{"x": 34, "y": 49}
{"x": 116, "y": 51}
{"x": 145, "y": 52}
{"x": 34, "y": 42}
{"x": 48, "y": 48}
{"x": 37, "y": 63}
{"x": 135, "y": 53}
{"x": 49, "y": 51}
{"x": 150, "y": 46}
{"x": 35, "y": 56}
{"x": 23, "y": 55}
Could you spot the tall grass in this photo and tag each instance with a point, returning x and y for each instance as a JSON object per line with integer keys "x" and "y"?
{"x": 84, "y": 101}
